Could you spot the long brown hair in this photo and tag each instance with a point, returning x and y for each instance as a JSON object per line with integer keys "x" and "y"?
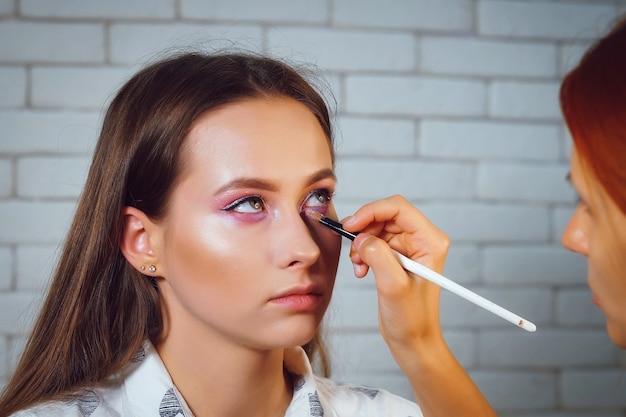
{"x": 593, "y": 100}
{"x": 99, "y": 309}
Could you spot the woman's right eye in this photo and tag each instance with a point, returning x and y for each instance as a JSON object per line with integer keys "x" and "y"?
{"x": 250, "y": 204}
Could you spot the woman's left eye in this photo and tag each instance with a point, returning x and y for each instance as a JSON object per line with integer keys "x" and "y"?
{"x": 251, "y": 204}
{"x": 318, "y": 198}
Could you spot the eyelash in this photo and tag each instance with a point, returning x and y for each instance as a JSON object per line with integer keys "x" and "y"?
{"x": 325, "y": 193}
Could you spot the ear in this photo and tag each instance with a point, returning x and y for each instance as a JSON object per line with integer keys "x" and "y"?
{"x": 136, "y": 244}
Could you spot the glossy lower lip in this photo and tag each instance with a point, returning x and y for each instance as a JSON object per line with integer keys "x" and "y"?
{"x": 298, "y": 302}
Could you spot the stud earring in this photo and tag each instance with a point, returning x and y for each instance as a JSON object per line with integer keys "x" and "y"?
{"x": 152, "y": 269}
{"x": 143, "y": 267}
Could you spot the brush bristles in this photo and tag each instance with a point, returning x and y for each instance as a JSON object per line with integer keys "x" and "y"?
{"x": 313, "y": 215}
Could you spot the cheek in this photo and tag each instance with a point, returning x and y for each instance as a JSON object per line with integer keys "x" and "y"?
{"x": 607, "y": 266}
{"x": 204, "y": 259}
{"x": 330, "y": 248}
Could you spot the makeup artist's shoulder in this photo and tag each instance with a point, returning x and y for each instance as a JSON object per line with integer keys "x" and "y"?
{"x": 361, "y": 400}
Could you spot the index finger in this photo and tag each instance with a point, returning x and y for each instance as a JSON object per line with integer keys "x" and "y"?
{"x": 395, "y": 209}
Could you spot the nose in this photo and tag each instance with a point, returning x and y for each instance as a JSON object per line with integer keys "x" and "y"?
{"x": 576, "y": 234}
{"x": 295, "y": 244}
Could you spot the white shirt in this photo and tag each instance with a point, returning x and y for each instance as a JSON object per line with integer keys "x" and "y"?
{"x": 144, "y": 389}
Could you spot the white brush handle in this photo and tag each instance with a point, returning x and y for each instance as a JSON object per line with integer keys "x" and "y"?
{"x": 432, "y": 276}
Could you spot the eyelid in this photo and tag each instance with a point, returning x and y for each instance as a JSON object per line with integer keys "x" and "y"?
{"x": 327, "y": 191}
{"x": 241, "y": 200}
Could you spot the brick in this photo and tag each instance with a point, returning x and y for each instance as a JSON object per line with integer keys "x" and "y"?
{"x": 480, "y": 57}
{"x": 393, "y": 381}
{"x": 6, "y": 177}
{"x": 350, "y": 358}
{"x": 517, "y": 390}
{"x": 594, "y": 388}
{"x": 354, "y": 307}
{"x": 80, "y": 88}
{"x": 488, "y": 140}
{"x": 462, "y": 343}
{"x": 543, "y": 265}
{"x": 13, "y": 86}
{"x": 62, "y": 176}
{"x": 41, "y": 222}
{"x": 329, "y": 86}
{"x": 4, "y": 363}
{"x": 413, "y": 95}
{"x": 345, "y": 274}
{"x": 48, "y": 131}
{"x": 35, "y": 266}
{"x": 571, "y": 54}
{"x": 346, "y": 50}
{"x": 6, "y": 267}
{"x": 530, "y": 183}
{"x": 528, "y": 100}
{"x": 51, "y": 42}
{"x": 543, "y": 20}
{"x": 574, "y": 308}
{"x": 10, "y": 356}
{"x": 560, "y": 218}
{"x": 348, "y": 350}
{"x": 440, "y": 15}
{"x": 413, "y": 179}
{"x": 112, "y": 9}
{"x": 533, "y": 304}
{"x": 17, "y": 312}
{"x": 7, "y": 7}
{"x": 291, "y": 11}
{"x": 546, "y": 348}
{"x": 471, "y": 222}
{"x": 375, "y": 137}
{"x": 462, "y": 263}
{"x": 133, "y": 43}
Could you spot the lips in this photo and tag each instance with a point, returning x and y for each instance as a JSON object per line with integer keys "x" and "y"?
{"x": 594, "y": 296}
{"x": 299, "y": 298}
{"x": 595, "y": 299}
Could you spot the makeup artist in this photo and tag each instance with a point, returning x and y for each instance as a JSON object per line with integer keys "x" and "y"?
{"x": 192, "y": 283}
{"x": 593, "y": 100}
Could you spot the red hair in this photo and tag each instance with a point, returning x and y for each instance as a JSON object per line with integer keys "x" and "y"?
{"x": 593, "y": 101}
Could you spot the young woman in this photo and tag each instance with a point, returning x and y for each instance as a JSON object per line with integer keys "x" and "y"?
{"x": 593, "y": 99}
{"x": 191, "y": 277}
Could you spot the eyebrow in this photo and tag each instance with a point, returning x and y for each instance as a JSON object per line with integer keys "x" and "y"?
{"x": 261, "y": 184}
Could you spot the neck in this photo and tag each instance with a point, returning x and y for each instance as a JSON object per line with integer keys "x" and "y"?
{"x": 219, "y": 377}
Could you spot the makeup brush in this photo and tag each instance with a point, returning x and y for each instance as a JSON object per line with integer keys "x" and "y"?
{"x": 432, "y": 276}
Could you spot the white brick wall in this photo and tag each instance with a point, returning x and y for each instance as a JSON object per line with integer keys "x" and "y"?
{"x": 451, "y": 102}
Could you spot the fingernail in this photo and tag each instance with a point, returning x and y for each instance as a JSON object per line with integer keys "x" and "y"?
{"x": 348, "y": 220}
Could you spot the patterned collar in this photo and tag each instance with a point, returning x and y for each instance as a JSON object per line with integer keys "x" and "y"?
{"x": 146, "y": 387}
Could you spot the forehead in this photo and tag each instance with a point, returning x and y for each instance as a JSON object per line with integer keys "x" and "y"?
{"x": 271, "y": 135}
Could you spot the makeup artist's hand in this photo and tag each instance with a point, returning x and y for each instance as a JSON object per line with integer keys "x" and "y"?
{"x": 408, "y": 306}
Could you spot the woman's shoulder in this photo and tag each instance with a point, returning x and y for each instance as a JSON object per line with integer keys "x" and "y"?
{"x": 49, "y": 409}
{"x": 89, "y": 403}
{"x": 366, "y": 401}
